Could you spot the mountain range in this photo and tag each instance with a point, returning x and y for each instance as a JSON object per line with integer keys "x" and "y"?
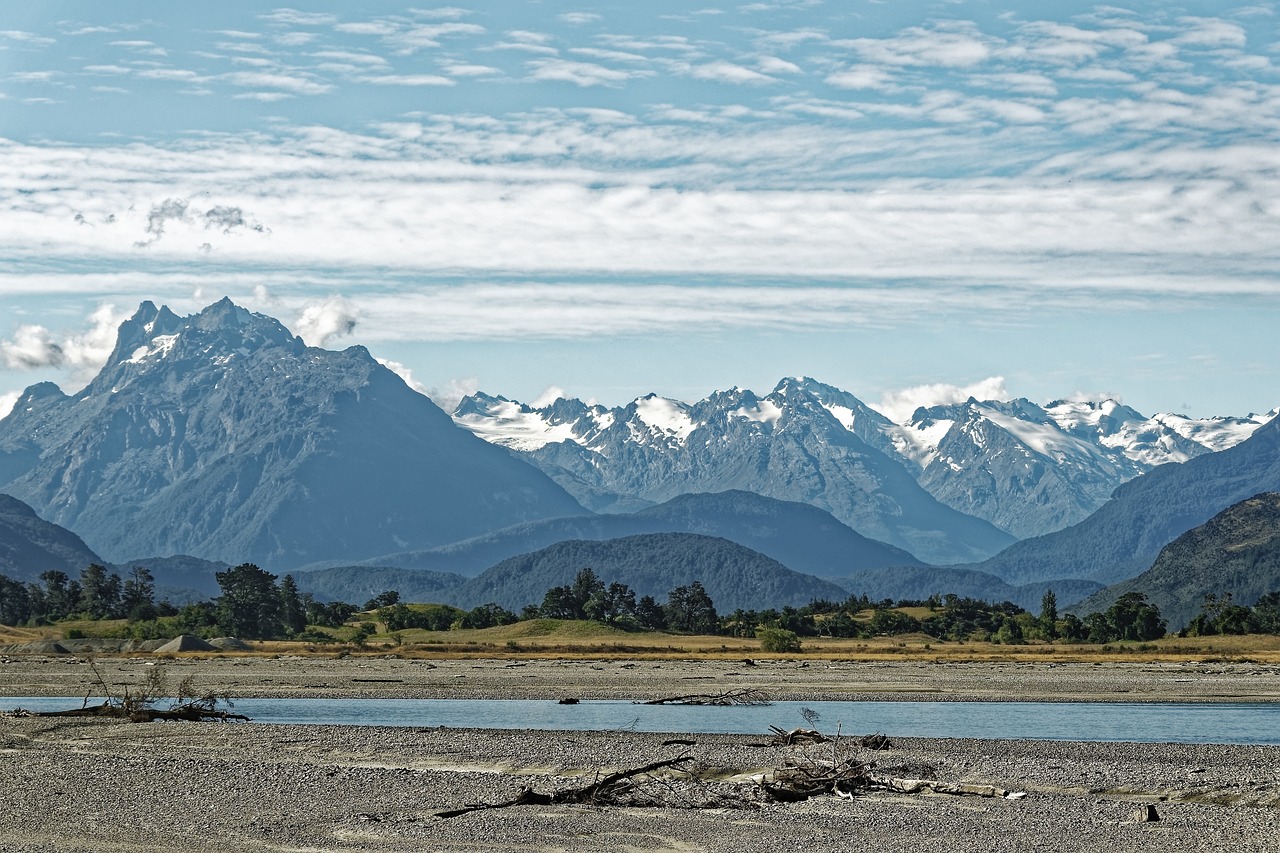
{"x": 221, "y": 438}
{"x": 1024, "y": 468}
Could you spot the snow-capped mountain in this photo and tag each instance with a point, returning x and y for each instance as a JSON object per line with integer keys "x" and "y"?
{"x": 1027, "y": 469}
{"x": 785, "y": 445}
{"x": 223, "y": 436}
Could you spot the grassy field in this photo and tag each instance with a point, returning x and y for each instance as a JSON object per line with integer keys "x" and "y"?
{"x": 542, "y": 638}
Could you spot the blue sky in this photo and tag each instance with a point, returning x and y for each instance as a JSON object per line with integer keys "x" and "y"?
{"x": 914, "y": 199}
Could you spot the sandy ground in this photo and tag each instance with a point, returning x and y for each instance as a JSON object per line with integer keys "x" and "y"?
{"x": 84, "y": 785}
{"x": 390, "y": 677}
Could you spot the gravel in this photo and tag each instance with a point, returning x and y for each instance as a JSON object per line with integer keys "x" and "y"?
{"x": 88, "y": 785}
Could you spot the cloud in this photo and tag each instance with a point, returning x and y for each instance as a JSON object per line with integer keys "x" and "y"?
{"x": 407, "y": 80}
{"x": 297, "y": 18}
{"x": 34, "y": 347}
{"x": 406, "y": 374}
{"x": 577, "y": 19}
{"x": 321, "y": 321}
{"x": 580, "y": 73}
{"x": 6, "y": 402}
{"x": 450, "y": 395}
{"x": 728, "y": 72}
{"x": 955, "y": 44}
{"x": 31, "y": 347}
{"x": 290, "y": 83}
{"x": 899, "y": 406}
{"x": 548, "y": 396}
{"x": 861, "y": 77}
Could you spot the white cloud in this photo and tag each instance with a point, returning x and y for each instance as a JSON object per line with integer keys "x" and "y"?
{"x": 290, "y": 83}
{"x": 580, "y": 73}
{"x": 406, "y": 374}
{"x": 449, "y": 396}
{"x": 321, "y": 321}
{"x": 407, "y": 80}
{"x": 31, "y": 347}
{"x": 862, "y": 77}
{"x": 728, "y": 72}
{"x": 7, "y": 400}
{"x": 898, "y": 406}
{"x": 956, "y": 44}
{"x": 548, "y": 396}
{"x": 577, "y": 19}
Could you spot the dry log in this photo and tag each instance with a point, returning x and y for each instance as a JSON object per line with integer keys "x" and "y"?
{"x": 743, "y": 696}
{"x": 190, "y": 712}
{"x": 604, "y": 791}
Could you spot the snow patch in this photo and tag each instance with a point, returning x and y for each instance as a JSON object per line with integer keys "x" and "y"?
{"x": 666, "y": 417}
{"x": 511, "y": 425}
{"x": 768, "y": 412}
{"x": 160, "y": 346}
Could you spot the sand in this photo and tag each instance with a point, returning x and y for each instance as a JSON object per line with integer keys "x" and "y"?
{"x": 84, "y": 785}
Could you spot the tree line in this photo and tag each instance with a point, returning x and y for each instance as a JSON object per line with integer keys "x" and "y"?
{"x": 255, "y": 604}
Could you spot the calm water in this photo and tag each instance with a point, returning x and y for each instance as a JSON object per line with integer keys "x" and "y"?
{"x": 1246, "y": 723}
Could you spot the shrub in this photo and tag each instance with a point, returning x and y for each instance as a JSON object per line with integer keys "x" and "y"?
{"x": 778, "y": 640}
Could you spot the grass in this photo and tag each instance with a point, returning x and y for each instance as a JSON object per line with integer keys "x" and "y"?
{"x": 542, "y": 638}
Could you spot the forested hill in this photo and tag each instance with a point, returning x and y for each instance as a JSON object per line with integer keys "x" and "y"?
{"x": 651, "y": 564}
{"x": 1236, "y": 553}
{"x": 30, "y": 545}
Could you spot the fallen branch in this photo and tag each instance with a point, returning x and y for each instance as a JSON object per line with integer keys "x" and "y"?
{"x": 606, "y": 791}
{"x": 743, "y": 696}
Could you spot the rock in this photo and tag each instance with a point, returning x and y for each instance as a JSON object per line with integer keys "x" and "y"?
{"x": 1146, "y": 814}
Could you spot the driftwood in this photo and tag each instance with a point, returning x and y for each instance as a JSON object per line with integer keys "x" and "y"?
{"x": 609, "y": 790}
{"x": 796, "y": 737}
{"x": 139, "y": 706}
{"x": 743, "y": 696}
{"x": 190, "y": 711}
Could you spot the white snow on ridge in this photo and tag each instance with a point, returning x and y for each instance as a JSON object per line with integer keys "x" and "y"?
{"x": 768, "y": 412}
{"x": 160, "y": 346}
{"x": 920, "y": 444}
{"x": 666, "y": 417}
{"x": 1047, "y": 440}
{"x": 510, "y": 425}
{"x": 1213, "y": 433}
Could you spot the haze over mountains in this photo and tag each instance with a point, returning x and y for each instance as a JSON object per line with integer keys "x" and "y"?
{"x": 222, "y": 438}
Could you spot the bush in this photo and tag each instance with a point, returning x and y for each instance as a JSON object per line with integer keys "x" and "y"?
{"x": 778, "y": 640}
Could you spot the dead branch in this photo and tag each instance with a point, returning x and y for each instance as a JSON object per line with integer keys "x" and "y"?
{"x": 608, "y": 790}
{"x": 796, "y": 737}
{"x": 742, "y": 696}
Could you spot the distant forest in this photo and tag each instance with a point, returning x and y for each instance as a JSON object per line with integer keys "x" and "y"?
{"x": 254, "y": 604}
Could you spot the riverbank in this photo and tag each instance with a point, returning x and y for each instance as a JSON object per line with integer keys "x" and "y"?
{"x": 85, "y": 785}
{"x": 388, "y": 676}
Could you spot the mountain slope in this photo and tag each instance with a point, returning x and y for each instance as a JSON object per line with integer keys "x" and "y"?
{"x": 357, "y": 584}
{"x": 30, "y": 545}
{"x": 1237, "y": 552}
{"x": 651, "y": 564}
{"x": 1122, "y": 538}
{"x": 797, "y": 535}
{"x": 786, "y": 445}
{"x": 223, "y": 436}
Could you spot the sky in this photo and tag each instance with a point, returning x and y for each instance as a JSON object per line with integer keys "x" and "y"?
{"x": 911, "y": 201}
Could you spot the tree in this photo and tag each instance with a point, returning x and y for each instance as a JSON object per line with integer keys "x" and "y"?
{"x": 250, "y": 603}
{"x": 1049, "y": 614}
{"x": 571, "y": 600}
{"x": 138, "y": 595}
{"x": 59, "y": 597}
{"x": 690, "y": 609}
{"x": 99, "y": 592}
{"x": 1132, "y": 618}
{"x": 293, "y": 614}
{"x": 15, "y": 602}
{"x": 649, "y": 613}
